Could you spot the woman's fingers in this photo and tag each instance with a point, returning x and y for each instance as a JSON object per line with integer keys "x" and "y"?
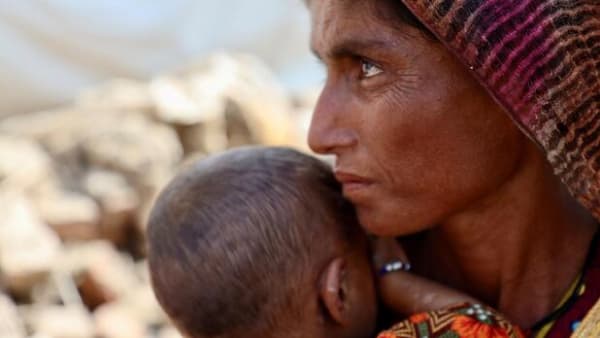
{"x": 386, "y": 250}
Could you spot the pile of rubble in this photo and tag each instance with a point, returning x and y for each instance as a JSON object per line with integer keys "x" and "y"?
{"x": 76, "y": 184}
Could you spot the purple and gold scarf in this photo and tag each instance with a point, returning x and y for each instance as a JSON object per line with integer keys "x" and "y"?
{"x": 540, "y": 59}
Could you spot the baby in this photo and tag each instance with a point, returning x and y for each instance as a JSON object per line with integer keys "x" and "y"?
{"x": 259, "y": 242}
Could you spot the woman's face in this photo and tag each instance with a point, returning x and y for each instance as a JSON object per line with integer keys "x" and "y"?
{"x": 416, "y": 139}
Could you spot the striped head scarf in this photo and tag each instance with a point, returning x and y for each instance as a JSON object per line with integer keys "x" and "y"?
{"x": 540, "y": 59}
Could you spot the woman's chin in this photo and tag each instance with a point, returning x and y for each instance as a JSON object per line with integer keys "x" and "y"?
{"x": 374, "y": 224}
{"x": 360, "y": 193}
{"x": 380, "y": 223}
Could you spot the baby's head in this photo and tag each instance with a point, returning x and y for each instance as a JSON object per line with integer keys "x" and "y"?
{"x": 258, "y": 242}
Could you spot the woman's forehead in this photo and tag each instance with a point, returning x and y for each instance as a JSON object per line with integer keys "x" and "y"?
{"x": 339, "y": 27}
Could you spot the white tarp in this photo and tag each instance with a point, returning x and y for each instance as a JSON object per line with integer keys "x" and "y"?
{"x": 51, "y": 49}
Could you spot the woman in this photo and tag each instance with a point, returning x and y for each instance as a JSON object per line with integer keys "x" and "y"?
{"x": 459, "y": 121}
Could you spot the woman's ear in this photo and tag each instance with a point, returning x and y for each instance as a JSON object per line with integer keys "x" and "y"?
{"x": 334, "y": 291}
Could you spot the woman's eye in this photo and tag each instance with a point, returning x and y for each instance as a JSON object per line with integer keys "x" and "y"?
{"x": 369, "y": 69}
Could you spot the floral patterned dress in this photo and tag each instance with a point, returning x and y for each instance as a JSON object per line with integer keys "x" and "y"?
{"x": 465, "y": 320}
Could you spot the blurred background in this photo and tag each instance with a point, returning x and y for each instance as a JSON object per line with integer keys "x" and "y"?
{"x": 100, "y": 103}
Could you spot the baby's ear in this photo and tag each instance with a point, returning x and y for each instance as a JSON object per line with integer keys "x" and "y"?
{"x": 334, "y": 291}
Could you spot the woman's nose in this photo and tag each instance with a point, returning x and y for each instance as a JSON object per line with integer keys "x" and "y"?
{"x": 330, "y": 130}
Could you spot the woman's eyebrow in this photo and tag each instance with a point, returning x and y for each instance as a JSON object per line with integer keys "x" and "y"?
{"x": 353, "y": 47}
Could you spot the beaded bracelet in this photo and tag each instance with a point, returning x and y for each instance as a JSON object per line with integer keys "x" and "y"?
{"x": 393, "y": 267}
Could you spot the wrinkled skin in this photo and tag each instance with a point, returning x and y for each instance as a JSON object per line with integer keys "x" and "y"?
{"x": 400, "y": 111}
{"x": 421, "y": 147}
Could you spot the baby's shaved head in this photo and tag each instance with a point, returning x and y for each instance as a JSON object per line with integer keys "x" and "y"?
{"x": 237, "y": 240}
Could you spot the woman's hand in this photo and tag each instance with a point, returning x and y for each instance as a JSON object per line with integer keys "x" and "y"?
{"x": 404, "y": 292}
{"x": 385, "y": 250}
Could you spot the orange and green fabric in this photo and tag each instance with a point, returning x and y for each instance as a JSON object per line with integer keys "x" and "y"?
{"x": 462, "y": 321}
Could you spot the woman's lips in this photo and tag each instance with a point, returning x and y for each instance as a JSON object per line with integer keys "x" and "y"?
{"x": 353, "y": 185}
